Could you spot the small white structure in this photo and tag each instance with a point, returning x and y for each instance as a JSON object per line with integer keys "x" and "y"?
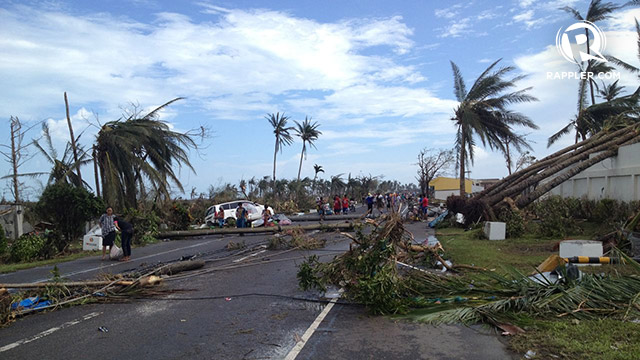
{"x": 92, "y": 240}
{"x": 571, "y": 248}
{"x": 495, "y": 230}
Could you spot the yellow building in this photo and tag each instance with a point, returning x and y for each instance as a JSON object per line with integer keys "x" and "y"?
{"x": 444, "y": 187}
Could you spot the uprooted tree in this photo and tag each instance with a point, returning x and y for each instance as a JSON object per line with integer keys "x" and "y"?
{"x": 523, "y": 187}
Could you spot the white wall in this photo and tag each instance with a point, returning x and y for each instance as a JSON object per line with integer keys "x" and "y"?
{"x": 614, "y": 178}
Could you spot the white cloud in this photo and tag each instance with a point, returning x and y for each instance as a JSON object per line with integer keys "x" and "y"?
{"x": 220, "y": 65}
{"x": 457, "y": 29}
{"x": 448, "y": 13}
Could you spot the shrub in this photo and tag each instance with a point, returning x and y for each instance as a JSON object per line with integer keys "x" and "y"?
{"x": 68, "y": 208}
{"x": 3, "y": 242}
{"x": 556, "y": 218}
{"x": 145, "y": 225}
{"x": 27, "y": 247}
{"x": 179, "y": 217}
{"x": 514, "y": 222}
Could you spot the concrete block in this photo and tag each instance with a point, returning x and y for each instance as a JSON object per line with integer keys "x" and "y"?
{"x": 571, "y": 248}
{"x": 495, "y": 230}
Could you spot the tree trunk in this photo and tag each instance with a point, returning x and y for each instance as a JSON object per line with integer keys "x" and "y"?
{"x": 15, "y": 130}
{"x": 593, "y": 98}
{"x": 95, "y": 172}
{"x": 73, "y": 139}
{"x": 275, "y": 153}
{"x": 558, "y": 156}
{"x": 582, "y": 155}
{"x": 528, "y": 199}
{"x": 462, "y": 163}
{"x": 508, "y": 155}
{"x": 301, "y": 154}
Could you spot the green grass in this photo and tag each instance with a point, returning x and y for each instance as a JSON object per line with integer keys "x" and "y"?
{"x": 565, "y": 339}
{"x": 7, "y": 268}
{"x": 524, "y": 253}
{"x": 76, "y": 252}
{"x": 571, "y": 339}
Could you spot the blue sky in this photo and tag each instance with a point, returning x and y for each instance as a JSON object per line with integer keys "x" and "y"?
{"x": 374, "y": 74}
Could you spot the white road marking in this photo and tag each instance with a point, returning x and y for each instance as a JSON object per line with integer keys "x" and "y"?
{"x": 136, "y": 259}
{"x": 412, "y": 267}
{"x": 48, "y": 332}
{"x": 314, "y": 326}
{"x": 248, "y": 256}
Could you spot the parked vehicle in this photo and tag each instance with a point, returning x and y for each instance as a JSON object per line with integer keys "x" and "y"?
{"x": 254, "y": 211}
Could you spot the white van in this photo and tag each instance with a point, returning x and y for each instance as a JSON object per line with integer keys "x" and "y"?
{"x": 254, "y": 211}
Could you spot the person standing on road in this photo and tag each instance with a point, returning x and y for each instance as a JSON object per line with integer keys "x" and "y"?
{"x": 266, "y": 216}
{"x": 220, "y": 217}
{"x": 241, "y": 217}
{"x": 425, "y": 206}
{"x": 320, "y": 206}
{"x": 345, "y": 204}
{"x": 126, "y": 233}
{"x": 337, "y": 205}
{"x": 108, "y": 228}
{"x": 369, "y": 201}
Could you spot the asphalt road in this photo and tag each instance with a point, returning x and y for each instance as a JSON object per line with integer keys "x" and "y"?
{"x": 251, "y": 311}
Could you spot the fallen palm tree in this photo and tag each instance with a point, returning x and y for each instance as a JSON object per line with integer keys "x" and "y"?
{"x": 258, "y": 230}
{"x": 370, "y": 275}
{"x": 523, "y": 187}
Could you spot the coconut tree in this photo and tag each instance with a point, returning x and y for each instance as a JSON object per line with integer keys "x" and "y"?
{"x": 597, "y": 11}
{"x": 337, "y": 183}
{"x": 137, "y": 150}
{"x": 65, "y": 169}
{"x": 283, "y": 137}
{"x": 483, "y": 112}
{"x": 309, "y": 133}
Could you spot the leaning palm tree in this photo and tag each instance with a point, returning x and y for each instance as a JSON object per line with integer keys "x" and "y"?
{"x": 597, "y": 11}
{"x": 483, "y": 112}
{"x": 140, "y": 149}
{"x": 283, "y": 137}
{"x": 309, "y": 133}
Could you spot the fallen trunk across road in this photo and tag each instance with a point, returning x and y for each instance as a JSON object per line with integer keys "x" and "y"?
{"x": 260, "y": 230}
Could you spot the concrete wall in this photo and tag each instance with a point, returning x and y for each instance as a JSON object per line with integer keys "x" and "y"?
{"x": 12, "y": 221}
{"x": 614, "y": 178}
{"x": 444, "y": 194}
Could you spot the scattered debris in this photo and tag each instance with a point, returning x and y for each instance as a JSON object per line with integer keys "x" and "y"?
{"x": 103, "y": 329}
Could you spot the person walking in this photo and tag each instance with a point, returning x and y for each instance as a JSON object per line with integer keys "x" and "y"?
{"x": 108, "y": 228}
{"x": 369, "y": 201}
{"x": 126, "y": 233}
{"x": 425, "y": 206}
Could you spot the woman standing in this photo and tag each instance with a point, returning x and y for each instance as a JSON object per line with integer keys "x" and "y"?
{"x": 108, "y": 231}
{"x": 126, "y": 233}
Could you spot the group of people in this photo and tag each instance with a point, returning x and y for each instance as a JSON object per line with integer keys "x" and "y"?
{"x": 392, "y": 201}
{"x": 340, "y": 205}
{"x": 110, "y": 224}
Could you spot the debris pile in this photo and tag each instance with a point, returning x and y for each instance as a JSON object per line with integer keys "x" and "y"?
{"x": 58, "y": 293}
{"x": 370, "y": 275}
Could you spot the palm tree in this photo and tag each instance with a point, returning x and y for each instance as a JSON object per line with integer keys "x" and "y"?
{"x": 597, "y": 11}
{"x": 283, "y": 137}
{"x": 309, "y": 133}
{"x": 337, "y": 183}
{"x": 318, "y": 169}
{"x": 140, "y": 148}
{"x": 66, "y": 169}
{"x": 483, "y": 112}
{"x": 611, "y": 91}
